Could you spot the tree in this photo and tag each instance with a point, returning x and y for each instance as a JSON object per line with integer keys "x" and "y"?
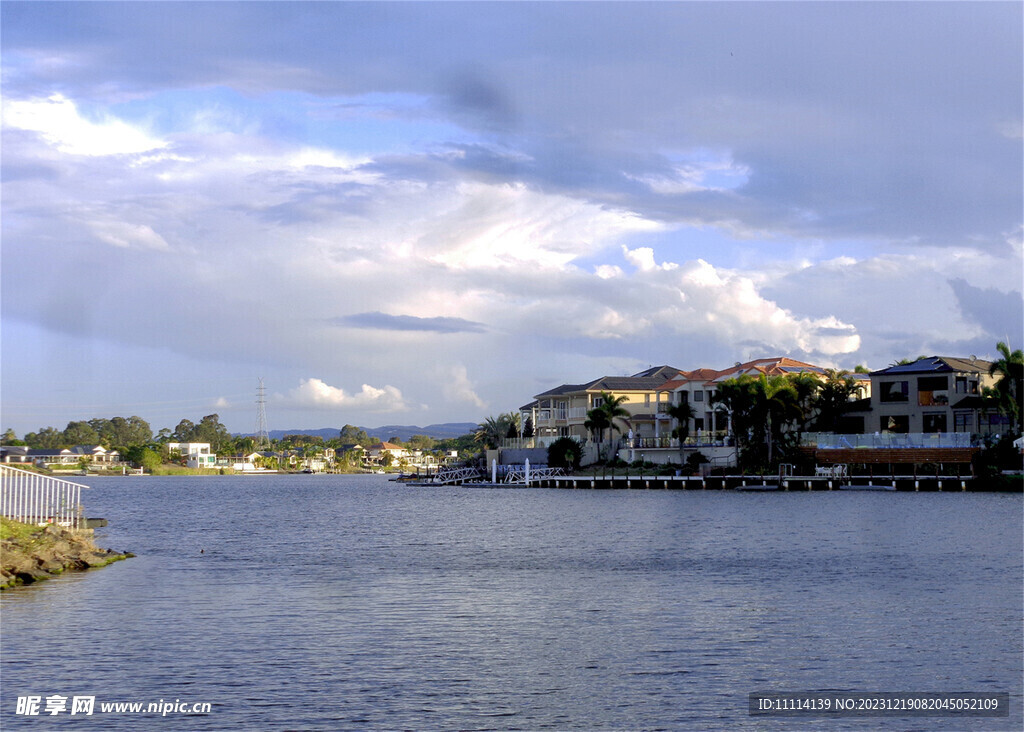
{"x": 735, "y": 397}
{"x": 565, "y": 452}
{"x": 682, "y": 413}
{"x": 80, "y": 433}
{"x": 608, "y": 410}
{"x": 184, "y": 431}
{"x": 776, "y": 402}
{"x": 351, "y": 435}
{"x": 48, "y": 438}
{"x": 10, "y": 438}
{"x": 834, "y": 397}
{"x": 492, "y": 431}
{"x": 596, "y": 423}
{"x": 1009, "y": 390}
{"x": 422, "y": 442}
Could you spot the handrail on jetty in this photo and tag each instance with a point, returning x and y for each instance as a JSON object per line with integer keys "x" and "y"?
{"x": 33, "y": 498}
{"x": 450, "y": 476}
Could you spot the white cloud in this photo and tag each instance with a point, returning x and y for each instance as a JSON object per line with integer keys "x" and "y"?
{"x": 126, "y": 236}
{"x": 59, "y": 122}
{"x": 316, "y": 393}
{"x": 457, "y": 387}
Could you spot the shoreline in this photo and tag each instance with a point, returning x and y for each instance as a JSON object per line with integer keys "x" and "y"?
{"x": 30, "y": 554}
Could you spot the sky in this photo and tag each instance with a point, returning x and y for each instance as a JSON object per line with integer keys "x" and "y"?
{"x": 414, "y": 213}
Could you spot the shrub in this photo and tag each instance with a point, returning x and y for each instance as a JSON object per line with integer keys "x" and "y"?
{"x": 565, "y": 452}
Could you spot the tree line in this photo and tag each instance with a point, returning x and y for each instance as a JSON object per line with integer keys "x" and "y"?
{"x": 128, "y": 434}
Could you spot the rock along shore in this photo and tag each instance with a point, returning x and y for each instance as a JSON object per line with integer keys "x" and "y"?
{"x": 30, "y": 554}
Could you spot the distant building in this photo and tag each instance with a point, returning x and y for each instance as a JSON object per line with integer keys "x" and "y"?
{"x": 195, "y": 454}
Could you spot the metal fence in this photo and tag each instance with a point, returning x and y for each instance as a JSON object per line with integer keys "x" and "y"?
{"x": 39, "y": 499}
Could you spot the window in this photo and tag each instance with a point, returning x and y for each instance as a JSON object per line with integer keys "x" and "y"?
{"x": 684, "y": 397}
{"x": 598, "y": 401}
{"x": 934, "y": 422}
{"x": 963, "y": 422}
{"x": 895, "y": 423}
{"x": 698, "y": 423}
{"x": 894, "y": 391}
{"x": 698, "y": 396}
{"x": 932, "y": 383}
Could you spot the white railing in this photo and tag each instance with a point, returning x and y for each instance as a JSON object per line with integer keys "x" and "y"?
{"x": 825, "y": 440}
{"x": 39, "y": 499}
{"x": 525, "y": 443}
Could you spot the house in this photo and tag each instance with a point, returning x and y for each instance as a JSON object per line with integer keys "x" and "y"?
{"x": 562, "y": 411}
{"x": 376, "y": 453}
{"x": 195, "y": 454}
{"x": 935, "y": 394}
{"x": 97, "y": 454}
{"x": 698, "y": 388}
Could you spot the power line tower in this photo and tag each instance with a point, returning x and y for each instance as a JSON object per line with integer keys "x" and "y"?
{"x": 261, "y": 438}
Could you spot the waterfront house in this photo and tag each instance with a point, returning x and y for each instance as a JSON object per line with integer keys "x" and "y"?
{"x": 97, "y": 454}
{"x": 376, "y": 453}
{"x": 698, "y": 388}
{"x": 934, "y": 394}
{"x": 562, "y": 411}
{"x": 195, "y": 454}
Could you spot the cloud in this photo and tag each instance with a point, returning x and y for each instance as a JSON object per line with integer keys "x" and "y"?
{"x": 59, "y": 122}
{"x": 383, "y": 321}
{"x": 457, "y": 387}
{"x": 318, "y": 394}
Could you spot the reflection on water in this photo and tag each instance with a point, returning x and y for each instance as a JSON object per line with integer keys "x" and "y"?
{"x": 332, "y": 602}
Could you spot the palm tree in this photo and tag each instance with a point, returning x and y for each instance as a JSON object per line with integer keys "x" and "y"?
{"x": 736, "y": 398}
{"x": 603, "y": 416}
{"x": 776, "y": 403}
{"x": 1009, "y": 390}
{"x": 613, "y": 409}
{"x": 596, "y": 424}
{"x": 492, "y": 431}
{"x": 682, "y": 413}
{"x": 833, "y": 397}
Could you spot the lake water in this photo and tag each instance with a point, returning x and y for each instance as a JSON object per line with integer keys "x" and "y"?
{"x": 350, "y": 602}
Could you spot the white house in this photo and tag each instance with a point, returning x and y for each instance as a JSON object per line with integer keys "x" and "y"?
{"x": 196, "y": 454}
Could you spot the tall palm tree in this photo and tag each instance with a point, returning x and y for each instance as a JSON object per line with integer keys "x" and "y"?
{"x": 1009, "y": 390}
{"x": 776, "y": 406}
{"x": 736, "y": 398}
{"x": 603, "y": 416}
{"x": 682, "y": 413}
{"x": 835, "y": 393}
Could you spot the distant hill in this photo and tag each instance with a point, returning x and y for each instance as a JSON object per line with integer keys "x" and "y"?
{"x": 402, "y": 432}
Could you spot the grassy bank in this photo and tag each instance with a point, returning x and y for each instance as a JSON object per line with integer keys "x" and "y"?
{"x": 30, "y": 553}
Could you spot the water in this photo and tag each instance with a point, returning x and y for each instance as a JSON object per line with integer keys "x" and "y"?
{"x": 349, "y": 602}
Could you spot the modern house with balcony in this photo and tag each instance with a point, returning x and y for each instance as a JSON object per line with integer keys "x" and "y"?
{"x": 195, "y": 454}
{"x": 935, "y": 394}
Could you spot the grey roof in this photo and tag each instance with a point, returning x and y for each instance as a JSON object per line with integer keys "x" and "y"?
{"x": 626, "y": 383}
{"x": 938, "y": 365}
{"x": 663, "y": 372}
{"x": 559, "y": 390}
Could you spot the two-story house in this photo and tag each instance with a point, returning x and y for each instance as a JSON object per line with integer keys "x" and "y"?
{"x": 195, "y": 454}
{"x": 562, "y": 411}
{"x": 935, "y": 394}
